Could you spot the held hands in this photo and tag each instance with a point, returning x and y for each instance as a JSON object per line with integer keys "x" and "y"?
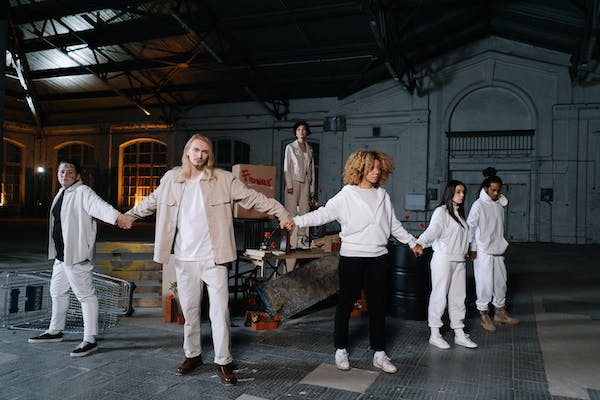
{"x": 290, "y": 190}
{"x": 287, "y": 223}
{"x": 417, "y": 250}
{"x": 125, "y": 221}
{"x": 472, "y": 255}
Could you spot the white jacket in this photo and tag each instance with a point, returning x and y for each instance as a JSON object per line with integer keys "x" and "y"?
{"x": 295, "y": 167}
{"x": 366, "y": 228}
{"x": 79, "y": 208}
{"x": 486, "y": 224}
{"x": 446, "y": 236}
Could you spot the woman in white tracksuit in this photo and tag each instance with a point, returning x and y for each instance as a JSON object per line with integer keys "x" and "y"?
{"x": 367, "y": 219}
{"x": 447, "y": 233}
{"x": 486, "y": 224}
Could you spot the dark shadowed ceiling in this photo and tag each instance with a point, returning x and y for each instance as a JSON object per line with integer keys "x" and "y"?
{"x": 81, "y": 60}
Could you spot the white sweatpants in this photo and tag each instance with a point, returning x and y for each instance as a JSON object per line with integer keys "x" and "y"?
{"x": 191, "y": 277}
{"x": 490, "y": 281}
{"x": 448, "y": 286}
{"x": 299, "y": 198}
{"x": 79, "y": 278}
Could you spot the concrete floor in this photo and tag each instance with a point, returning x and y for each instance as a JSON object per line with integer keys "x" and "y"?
{"x": 553, "y": 354}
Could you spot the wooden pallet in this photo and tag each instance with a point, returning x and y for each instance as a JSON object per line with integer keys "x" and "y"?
{"x": 132, "y": 261}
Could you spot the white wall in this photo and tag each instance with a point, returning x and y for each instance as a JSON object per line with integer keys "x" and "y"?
{"x": 494, "y": 84}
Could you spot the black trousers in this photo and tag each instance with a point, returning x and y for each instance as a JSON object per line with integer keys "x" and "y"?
{"x": 354, "y": 274}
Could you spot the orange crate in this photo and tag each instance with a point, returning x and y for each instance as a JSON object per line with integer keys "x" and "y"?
{"x": 260, "y": 321}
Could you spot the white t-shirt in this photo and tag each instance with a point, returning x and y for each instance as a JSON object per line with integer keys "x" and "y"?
{"x": 192, "y": 241}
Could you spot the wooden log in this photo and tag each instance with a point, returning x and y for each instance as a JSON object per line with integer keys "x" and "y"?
{"x": 301, "y": 288}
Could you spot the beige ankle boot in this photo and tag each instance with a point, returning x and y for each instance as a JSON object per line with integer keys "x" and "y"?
{"x": 486, "y": 322}
{"x": 501, "y": 317}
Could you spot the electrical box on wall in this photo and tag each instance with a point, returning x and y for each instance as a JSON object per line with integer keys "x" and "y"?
{"x": 546, "y": 194}
{"x": 414, "y": 202}
{"x": 432, "y": 194}
{"x": 336, "y": 123}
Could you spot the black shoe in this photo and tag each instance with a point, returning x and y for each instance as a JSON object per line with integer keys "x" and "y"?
{"x": 84, "y": 349}
{"x": 47, "y": 338}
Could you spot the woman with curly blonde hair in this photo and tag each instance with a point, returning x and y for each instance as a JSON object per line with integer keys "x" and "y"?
{"x": 367, "y": 219}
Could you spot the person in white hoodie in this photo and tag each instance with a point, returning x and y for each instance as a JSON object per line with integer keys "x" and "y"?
{"x": 72, "y": 237}
{"x": 367, "y": 219}
{"x": 299, "y": 176}
{"x": 486, "y": 224}
{"x": 447, "y": 234}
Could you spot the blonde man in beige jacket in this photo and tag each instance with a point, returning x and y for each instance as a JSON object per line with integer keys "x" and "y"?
{"x": 193, "y": 206}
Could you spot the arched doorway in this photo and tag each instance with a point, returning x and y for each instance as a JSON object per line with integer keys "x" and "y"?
{"x": 495, "y": 126}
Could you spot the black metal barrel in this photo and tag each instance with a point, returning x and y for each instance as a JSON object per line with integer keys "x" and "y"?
{"x": 410, "y": 283}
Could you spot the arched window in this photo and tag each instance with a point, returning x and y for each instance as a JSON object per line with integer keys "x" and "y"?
{"x": 229, "y": 152}
{"x": 143, "y": 163}
{"x": 12, "y": 174}
{"x": 84, "y": 154}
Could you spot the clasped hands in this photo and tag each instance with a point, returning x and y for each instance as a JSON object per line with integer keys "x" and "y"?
{"x": 287, "y": 223}
{"x": 125, "y": 221}
{"x": 417, "y": 250}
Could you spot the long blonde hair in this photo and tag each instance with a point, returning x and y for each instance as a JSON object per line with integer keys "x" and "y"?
{"x": 186, "y": 165}
{"x": 361, "y": 162}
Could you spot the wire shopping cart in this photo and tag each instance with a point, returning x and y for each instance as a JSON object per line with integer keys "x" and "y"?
{"x": 25, "y": 301}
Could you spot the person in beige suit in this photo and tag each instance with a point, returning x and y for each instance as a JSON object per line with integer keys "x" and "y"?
{"x": 299, "y": 174}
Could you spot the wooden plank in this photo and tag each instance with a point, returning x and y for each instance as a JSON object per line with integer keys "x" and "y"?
{"x": 130, "y": 247}
{"x": 132, "y": 275}
{"x": 141, "y": 289}
{"x": 147, "y": 302}
{"x": 135, "y": 265}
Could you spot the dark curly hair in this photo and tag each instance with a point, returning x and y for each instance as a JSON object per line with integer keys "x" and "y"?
{"x": 300, "y": 123}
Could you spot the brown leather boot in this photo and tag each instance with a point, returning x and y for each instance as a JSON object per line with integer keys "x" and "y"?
{"x": 501, "y": 317}
{"x": 486, "y": 322}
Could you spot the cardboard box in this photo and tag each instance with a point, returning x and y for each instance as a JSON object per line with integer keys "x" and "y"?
{"x": 258, "y": 177}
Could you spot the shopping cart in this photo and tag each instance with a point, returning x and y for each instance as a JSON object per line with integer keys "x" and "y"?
{"x": 25, "y": 301}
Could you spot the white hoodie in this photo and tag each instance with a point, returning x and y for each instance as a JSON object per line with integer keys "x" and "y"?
{"x": 486, "y": 224}
{"x": 446, "y": 236}
{"x": 366, "y": 228}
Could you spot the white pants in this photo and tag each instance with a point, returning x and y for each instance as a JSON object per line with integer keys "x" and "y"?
{"x": 299, "y": 198}
{"x": 490, "y": 281}
{"x": 191, "y": 277}
{"x": 448, "y": 286}
{"x": 79, "y": 278}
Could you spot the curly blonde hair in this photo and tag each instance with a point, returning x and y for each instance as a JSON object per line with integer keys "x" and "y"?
{"x": 361, "y": 162}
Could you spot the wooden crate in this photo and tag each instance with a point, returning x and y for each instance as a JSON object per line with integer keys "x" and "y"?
{"x": 132, "y": 261}
{"x": 260, "y": 321}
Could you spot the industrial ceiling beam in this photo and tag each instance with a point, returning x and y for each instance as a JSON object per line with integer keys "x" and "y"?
{"x": 21, "y": 65}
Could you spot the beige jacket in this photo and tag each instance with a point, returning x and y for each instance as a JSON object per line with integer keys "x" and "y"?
{"x": 220, "y": 191}
{"x": 294, "y": 167}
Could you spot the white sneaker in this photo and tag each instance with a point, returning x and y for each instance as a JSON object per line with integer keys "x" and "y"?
{"x": 439, "y": 342}
{"x": 341, "y": 360}
{"x": 383, "y": 362}
{"x": 463, "y": 340}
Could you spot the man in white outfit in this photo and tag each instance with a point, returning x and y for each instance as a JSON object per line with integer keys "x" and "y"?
{"x": 486, "y": 227}
{"x": 193, "y": 206}
{"x": 71, "y": 245}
